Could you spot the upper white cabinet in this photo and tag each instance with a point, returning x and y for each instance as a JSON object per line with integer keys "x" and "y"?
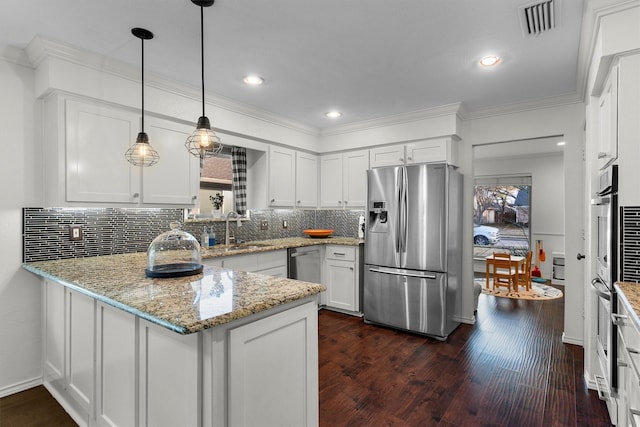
{"x": 343, "y": 179}
{"x": 293, "y": 178}
{"x": 84, "y": 162}
{"x": 608, "y": 120}
{"x": 438, "y": 150}
{"x": 282, "y": 167}
{"x": 306, "y": 180}
{"x": 175, "y": 178}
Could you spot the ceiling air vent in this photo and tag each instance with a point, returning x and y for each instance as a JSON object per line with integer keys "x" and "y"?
{"x": 539, "y": 17}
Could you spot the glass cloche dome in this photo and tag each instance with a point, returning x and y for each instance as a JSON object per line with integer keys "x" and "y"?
{"x": 173, "y": 253}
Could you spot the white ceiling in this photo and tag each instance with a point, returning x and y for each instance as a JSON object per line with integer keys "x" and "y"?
{"x": 367, "y": 58}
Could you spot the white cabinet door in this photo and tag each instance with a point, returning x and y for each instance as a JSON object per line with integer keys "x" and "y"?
{"x": 116, "y": 367}
{"x": 432, "y": 151}
{"x": 170, "y": 370}
{"x": 354, "y": 178}
{"x": 608, "y": 120}
{"x": 273, "y": 370}
{"x": 331, "y": 181}
{"x": 54, "y": 334}
{"x": 306, "y": 180}
{"x": 281, "y": 177}
{"x": 341, "y": 284}
{"x": 80, "y": 349}
{"x": 392, "y": 155}
{"x": 97, "y": 137}
{"x": 175, "y": 179}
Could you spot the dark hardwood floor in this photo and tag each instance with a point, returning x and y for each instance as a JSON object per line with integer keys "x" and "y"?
{"x": 509, "y": 369}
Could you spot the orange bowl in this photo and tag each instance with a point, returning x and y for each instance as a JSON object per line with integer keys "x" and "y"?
{"x": 318, "y": 233}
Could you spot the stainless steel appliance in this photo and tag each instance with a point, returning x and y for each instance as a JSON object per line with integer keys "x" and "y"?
{"x": 413, "y": 246}
{"x": 606, "y": 206}
{"x": 305, "y": 264}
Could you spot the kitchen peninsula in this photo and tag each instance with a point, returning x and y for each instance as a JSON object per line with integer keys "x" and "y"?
{"x": 219, "y": 348}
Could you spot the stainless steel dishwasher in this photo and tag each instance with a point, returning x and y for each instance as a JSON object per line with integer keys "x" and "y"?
{"x": 305, "y": 264}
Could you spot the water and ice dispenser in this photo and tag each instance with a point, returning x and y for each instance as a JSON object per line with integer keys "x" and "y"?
{"x": 378, "y": 217}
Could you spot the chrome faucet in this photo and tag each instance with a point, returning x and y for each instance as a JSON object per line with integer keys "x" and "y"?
{"x": 227, "y": 238}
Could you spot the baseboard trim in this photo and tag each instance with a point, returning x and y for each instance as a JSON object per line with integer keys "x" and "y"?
{"x": 21, "y": 386}
{"x": 572, "y": 340}
{"x": 78, "y": 416}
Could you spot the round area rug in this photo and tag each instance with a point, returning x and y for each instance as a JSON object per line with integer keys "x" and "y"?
{"x": 539, "y": 291}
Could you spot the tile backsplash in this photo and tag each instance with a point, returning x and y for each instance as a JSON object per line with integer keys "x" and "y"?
{"x": 109, "y": 231}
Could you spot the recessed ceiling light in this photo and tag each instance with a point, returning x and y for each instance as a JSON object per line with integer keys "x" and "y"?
{"x": 253, "y": 80}
{"x": 334, "y": 114}
{"x": 560, "y": 144}
{"x": 490, "y": 61}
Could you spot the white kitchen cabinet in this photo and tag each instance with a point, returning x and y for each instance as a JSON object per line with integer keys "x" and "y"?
{"x": 437, "y": 150}
{"x": 175, "y": 179}
{"x": 608, "y": 120}
{"x": 84, "y": 148}
{"x": 306, "y": 180}
{"x": 628, "y": 399}
{"x": 278, "y": 354}
{"x": 54, "y": 334}
{"x": 270, "y": 263}
{"x": 115, "y": 367}
{"x": 80, "y": 349}
{"x": 281, "y": 177}
{"x": 170, "y": 369}
{"x": 342, "y": 278}
{"x": 343, "y": 179}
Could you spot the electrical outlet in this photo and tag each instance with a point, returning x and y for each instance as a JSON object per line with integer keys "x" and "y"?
{"x": 285, "y": 224}
{"x": 264, "y": 225}
{"x": 75, "y": 232}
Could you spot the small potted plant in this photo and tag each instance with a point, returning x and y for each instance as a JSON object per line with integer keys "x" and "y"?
{"x": 217, "y": 201}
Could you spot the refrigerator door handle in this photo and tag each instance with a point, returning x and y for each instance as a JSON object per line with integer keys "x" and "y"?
{"x": 404, "y": 211}
{"x": 398, "y": 242}
{"x": 394, "y": 273}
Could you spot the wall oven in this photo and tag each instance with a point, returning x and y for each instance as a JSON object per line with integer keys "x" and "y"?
{"x": 606, "y": 207}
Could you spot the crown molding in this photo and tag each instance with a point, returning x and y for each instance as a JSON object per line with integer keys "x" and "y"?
{"x": 40, "y": 49}
{"x": 519, "y": 107}
{"x": 396, "y": 119}
{"x": 15, "y": 55}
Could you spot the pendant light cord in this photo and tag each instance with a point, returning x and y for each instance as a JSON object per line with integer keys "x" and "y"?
{"x": 202, "y": 53}
{"x": 142, "y": 67}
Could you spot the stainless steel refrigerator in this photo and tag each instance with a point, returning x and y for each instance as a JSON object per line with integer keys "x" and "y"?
{"x": 413, "y": 245}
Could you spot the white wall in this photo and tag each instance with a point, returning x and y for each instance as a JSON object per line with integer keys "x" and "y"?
{"x": 567, "y": 121}
{"x": 20, "y": 291}
{"x": 547, "y": 196}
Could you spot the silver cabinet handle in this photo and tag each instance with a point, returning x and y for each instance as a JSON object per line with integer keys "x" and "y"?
{"x": 346, "y": 201}
{"x": 194, "y": 198}
{"x": 135, "y": 195}
{"x": 410, "y": 158}
{"x": 298, "y": 201}
{"x": 296, "y": 255}
{"x": 618, "y": 319}
{"x": 421, "y": 276}
{"x": 339, "y": 202}
{"x": 339, "y": 254}
{"x": 273, "y": 200}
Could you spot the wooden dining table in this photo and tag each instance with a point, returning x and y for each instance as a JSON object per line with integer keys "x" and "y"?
{"x": 516, "y": 261}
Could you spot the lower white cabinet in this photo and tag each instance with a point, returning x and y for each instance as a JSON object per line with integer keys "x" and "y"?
{"x": 273, "y": 366}
{"x": 628, "y": 399}
{"x": 342, "y": 278}
{"x": 270, "y": 263}
{"x": 107, "y": 367}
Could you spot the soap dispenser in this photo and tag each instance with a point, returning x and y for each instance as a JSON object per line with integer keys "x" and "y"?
{"x": 204, "y": 238}
{"x": 212, "y": 237}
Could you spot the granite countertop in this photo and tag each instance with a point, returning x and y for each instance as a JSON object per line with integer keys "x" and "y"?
{"x": 276, "y": 244}
{"x": 184, "y": 305}
{"x": 630, "y": 295}
{"x": 187, "y": 304}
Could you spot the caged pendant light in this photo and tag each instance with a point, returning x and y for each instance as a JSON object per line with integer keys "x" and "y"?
{"x": 141, "y": 153}
{"x": 203, "y": 142}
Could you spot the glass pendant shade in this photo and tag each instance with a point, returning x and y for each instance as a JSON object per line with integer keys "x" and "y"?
{"x": 203, "y": 142}
{"x": 141, "y": 153}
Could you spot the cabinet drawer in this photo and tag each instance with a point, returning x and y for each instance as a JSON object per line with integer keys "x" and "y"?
{"x": 345, "y": 253}
{"x": 272, "y": 259}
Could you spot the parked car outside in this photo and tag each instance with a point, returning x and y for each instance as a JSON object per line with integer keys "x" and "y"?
{"x": 485, "y": 235}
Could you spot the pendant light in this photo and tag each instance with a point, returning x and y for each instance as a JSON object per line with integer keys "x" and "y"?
{"x": 203, "y": 142}
{"x": 141, "y": 153}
